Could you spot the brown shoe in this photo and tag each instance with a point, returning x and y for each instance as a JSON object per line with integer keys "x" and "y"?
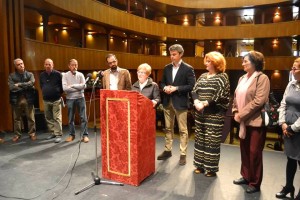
{"x": 164, "y": 155}
{"x": 1, "y": 141}
{"x": 199, "y": 171}
{"x": 182, "y": 160}
{"x": 70, "y": 138}
{"x": 85, "y": 139}
{"x": 32, "y": 136}
{"x": 210, "y": 174}
{"x": 16, "y": 138}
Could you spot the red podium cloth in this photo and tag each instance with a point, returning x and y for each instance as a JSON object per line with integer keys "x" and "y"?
{"x": 127, "y": 136}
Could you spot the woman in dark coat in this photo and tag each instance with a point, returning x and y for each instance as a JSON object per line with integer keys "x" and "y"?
{"x": 145, "y": 84}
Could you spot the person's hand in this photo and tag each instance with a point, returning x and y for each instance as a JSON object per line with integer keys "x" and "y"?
{"x": 154, "y": 103}
{"x": 199, "y": 106}
{"x": 173, "y": 88}
{"x": 284, "y": 126}
{"x": 170, "y": 89}
{"x": 167, "y": 89}
{"x": 237, "y": 117}
{"x": 287, "y": 132}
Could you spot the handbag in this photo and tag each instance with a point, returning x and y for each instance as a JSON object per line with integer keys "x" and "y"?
{"x": 270, "y": 115}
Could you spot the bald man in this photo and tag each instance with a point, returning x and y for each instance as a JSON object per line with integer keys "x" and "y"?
{"x": 51, "y": 86}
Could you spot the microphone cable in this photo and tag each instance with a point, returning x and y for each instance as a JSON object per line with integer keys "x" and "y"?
{"x": 72, "y": 169}
{"x": 79, "y": 145}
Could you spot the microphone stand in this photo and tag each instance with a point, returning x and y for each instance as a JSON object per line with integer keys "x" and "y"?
{"x": 96, "y": 178}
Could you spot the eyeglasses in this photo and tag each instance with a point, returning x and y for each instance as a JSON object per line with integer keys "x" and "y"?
{"x": 112, "y": 62}
{"x": 143, "y": 73}
{"x": 295, "y": 69}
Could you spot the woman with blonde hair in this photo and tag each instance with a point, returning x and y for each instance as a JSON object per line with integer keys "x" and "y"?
{"x": 211, "y": 100}
{"x": 145, "y": 85}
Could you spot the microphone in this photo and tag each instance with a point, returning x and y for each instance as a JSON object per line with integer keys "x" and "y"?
{"x": 88, "y": 76}
{"x": 96, "y": 81}
{"x": 99, "y": 75}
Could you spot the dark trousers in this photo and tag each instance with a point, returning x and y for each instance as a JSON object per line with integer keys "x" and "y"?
{"x": 251, "y": 154}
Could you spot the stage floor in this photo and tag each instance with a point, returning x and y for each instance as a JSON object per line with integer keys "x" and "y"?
{"x": 42, "y": 168}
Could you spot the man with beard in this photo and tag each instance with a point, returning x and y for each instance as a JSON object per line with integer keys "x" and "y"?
{"x": 115, "y": 78}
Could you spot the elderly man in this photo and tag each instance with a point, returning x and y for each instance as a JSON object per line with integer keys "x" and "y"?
{"x": 51, "y": 86}
{"x": 74, "y": 84}
{"x": 22, "y": 97}
{"x": 115, "y": 78}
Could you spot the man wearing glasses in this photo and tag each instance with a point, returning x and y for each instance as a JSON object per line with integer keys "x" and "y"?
{"x": 115, "y": 78}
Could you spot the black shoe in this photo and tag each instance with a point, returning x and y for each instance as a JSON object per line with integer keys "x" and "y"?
{"x": 51, "y": 137}
{"x": 285, "y": 190}
{"x": 251, "y": 189}
{"x": 240, "y": 181}
{"x": 182, "y": 160}
{"x": 164, "y": 155}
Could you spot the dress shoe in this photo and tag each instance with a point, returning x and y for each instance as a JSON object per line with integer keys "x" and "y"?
{"x": 240, "y": 181}
{"x": 164, "y": 155}
{"x": 57, "y": 140}
{"x": 32, "y": 136}
{"x": 85, "y": 139}
{"x": 210, "y": 174}
{"x": 285, "y": 190}
{"x": 199, "y": 171}
{"x": 250, "y": 189}
{"x": 298, "y": 196}
{"x": 182, "y": 160}
{"x": 70, "y": 138}
{"x": 51, "y": 137}
{"x": 16, "y": 138}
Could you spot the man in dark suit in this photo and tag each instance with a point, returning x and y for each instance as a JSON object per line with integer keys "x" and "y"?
{"x": 177, "y": 81}
{"x": 115, "y": 78}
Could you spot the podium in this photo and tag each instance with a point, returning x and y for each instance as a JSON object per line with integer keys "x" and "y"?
{"x": 127, "y": 136}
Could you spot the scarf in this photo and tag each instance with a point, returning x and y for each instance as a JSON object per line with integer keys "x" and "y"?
{"x": 241, "y": 92}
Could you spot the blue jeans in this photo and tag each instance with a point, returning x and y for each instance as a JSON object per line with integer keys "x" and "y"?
{"x": 80, "y": 104}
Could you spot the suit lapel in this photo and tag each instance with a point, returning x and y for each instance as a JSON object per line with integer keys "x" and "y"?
{"x": 107, "y": 80}
{"x": 119, "y": 79}
{"x": 169, "y": 74}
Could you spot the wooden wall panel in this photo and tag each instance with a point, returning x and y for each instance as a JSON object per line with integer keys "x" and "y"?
{"x": 103, "y": 13}
{"x": 37, "y": 52}
{"x": 11, "y": 45}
